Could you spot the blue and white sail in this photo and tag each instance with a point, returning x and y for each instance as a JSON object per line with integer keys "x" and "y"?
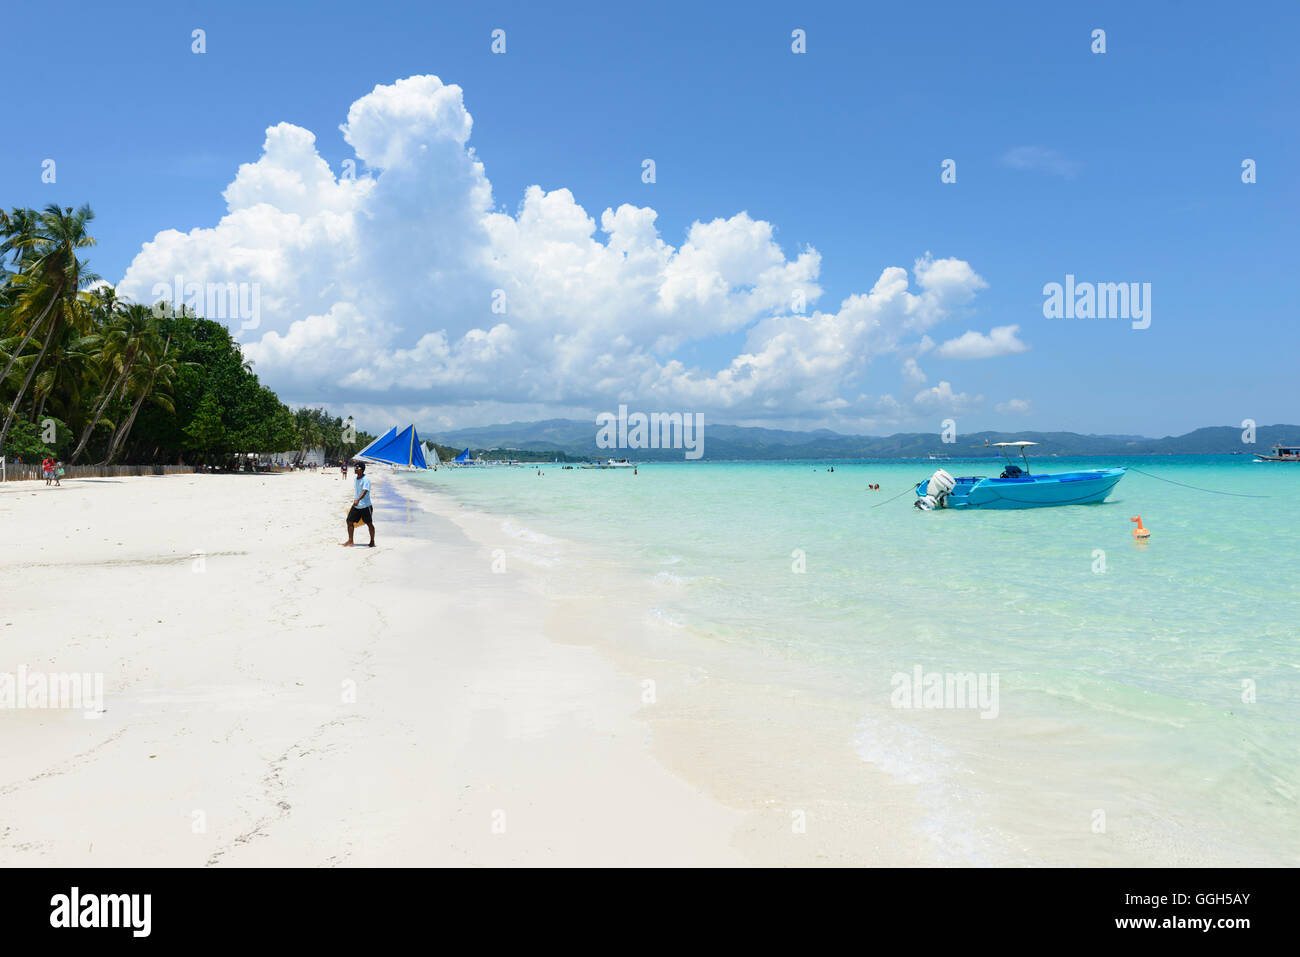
{"x": 463, "y": 458}
{"x": 401, "y": 449}
{"x": 361, "y": 456}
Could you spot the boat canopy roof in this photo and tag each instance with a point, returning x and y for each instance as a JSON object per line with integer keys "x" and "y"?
{"x": 1019, "y": 445}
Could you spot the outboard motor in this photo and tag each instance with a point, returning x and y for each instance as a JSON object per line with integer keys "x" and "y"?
{"x": 936, "y": 491}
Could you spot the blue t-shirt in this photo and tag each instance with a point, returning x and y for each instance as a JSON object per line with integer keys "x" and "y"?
{"x": 363, "y": 491}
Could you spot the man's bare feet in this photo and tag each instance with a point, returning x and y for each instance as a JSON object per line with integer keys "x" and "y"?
{"x": 347, "y": 544}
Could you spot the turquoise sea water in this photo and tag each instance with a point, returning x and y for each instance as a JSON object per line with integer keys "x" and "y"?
{"x": 1126, "y": 730}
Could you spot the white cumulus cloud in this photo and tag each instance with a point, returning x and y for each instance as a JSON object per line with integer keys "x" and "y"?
{"x": 1015, "y": 407}
{"x": 1001, "y": 341}
{"x": 400, "y": 284}
{"x": 942, "y": 398}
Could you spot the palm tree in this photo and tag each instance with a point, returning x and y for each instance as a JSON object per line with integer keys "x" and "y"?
{"x": 154, "y": 373}
{"x": 52, "y": 275}
{"x": 16, "y": 229}
{"x": 71, "y": 359}
{"x": 133, "y": 331}
{"x": 311, "y": 433}
{"x": 29, "y": 246}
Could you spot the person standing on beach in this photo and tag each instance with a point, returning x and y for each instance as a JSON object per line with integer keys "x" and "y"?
{"x": 361, "y": 509}
{"x": 47, "y": 468}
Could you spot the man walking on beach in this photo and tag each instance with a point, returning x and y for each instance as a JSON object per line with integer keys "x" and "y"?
{"x": 361, "y": 509}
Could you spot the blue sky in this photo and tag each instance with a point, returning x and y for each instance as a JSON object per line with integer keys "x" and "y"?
{"x": 1134, "y": 174}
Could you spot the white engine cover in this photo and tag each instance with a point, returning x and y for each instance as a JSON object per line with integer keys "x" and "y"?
{"x": 941, "y": 483}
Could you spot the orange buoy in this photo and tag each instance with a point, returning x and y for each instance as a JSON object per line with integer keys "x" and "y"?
{"x": 1140, "y": 533}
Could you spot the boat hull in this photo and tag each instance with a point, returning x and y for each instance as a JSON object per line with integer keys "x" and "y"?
{"x": 1036, "y": 491}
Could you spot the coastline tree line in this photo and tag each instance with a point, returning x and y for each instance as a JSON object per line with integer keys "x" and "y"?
{"x": 89, "y": 378}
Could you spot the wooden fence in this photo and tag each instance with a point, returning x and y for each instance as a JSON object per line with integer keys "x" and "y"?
{"x": 28, "y": 472}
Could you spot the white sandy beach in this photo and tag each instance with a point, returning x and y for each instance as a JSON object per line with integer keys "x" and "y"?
{"x": 483, "y": 729}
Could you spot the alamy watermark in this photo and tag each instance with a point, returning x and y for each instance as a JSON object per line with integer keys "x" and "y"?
{"x": 76, "y": 909}
{"x": 226, "y": 301}
{"x": 936, "y": 689}
{"x": 655, "y": 430}
{"x": 1100, "y": 300}
{"x": 54, "y": 690}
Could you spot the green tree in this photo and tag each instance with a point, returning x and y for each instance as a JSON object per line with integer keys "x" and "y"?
{"x": 206, "y": 431}
{"x": 154, "y": 374}
{"x": 131, "y": 331}
{"x": 48, "y": 287}
{"x": 126, "y": 382}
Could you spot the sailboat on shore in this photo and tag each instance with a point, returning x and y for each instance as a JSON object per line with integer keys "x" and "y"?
{"x": 401, "y": 450}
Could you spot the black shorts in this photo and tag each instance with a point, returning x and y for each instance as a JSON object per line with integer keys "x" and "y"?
{"x": 361, "y": 515}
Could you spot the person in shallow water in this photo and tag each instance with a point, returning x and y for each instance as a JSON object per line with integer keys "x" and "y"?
{"x": 361, "y": 509}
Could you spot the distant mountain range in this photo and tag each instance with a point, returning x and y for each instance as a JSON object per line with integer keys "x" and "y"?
{"x": 578, "y": 438}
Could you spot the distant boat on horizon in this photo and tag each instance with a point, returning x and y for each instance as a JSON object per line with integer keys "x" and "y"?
{"x": 1281, "y": 453}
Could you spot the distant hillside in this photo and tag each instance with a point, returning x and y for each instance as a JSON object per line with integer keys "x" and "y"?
{"x": 509, "y": 454}
{"x": 578, "y": 438}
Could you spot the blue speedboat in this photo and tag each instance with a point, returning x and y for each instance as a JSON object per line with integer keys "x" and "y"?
{"x": 1015, "y": 487}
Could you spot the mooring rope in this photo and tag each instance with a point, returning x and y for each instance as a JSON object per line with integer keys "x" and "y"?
{"x": 1197, "y": 488}
{"x": 910, "y": 488}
